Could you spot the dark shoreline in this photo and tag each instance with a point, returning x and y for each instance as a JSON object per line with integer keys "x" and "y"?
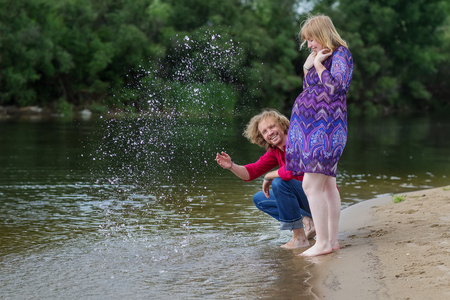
{"x": 31, "y": 113}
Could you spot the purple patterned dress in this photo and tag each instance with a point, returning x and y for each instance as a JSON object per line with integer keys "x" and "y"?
{"x": 318, "y": 126}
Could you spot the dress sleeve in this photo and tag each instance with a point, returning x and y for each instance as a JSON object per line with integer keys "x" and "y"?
{"x": 337, "y": 79}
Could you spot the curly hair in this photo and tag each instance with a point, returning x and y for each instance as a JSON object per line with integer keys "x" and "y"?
{"x": 252, "y": 133}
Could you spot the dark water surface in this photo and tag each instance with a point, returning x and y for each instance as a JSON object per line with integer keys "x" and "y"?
{"x": 107, "y": 209}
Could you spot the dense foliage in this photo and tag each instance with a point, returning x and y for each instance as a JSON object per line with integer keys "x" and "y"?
{"x": 398, "y": 47}
{"x": 214, "y": 55}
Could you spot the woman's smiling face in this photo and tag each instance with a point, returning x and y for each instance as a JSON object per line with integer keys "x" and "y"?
{"x": 314, "y": 45}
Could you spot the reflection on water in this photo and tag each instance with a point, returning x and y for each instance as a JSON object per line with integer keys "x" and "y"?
{"x": 123, "y": 208}
{"x": 394, "y": 155}
{"x": 211, "y": 266}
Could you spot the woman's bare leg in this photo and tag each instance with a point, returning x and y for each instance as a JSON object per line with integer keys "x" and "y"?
{"x": 334, "y": 210}
{"x": 313, "y": 185}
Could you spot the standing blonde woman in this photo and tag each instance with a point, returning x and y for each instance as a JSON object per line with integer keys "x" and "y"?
{"x": 318, "y": 127}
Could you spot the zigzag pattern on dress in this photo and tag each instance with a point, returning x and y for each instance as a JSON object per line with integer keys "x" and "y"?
{"x": 318, "y": 126}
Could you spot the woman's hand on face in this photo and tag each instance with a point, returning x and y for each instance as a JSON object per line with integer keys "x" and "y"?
{"x": 322, "y": 55}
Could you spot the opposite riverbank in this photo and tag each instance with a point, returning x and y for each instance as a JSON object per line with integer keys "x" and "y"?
{"x": 390, "y": 250}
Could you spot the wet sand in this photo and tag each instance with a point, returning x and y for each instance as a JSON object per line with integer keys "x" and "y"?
{"x": 389, "y": 250}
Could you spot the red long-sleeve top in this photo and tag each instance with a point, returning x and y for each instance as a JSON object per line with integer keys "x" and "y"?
{"x": 272, "y": 158}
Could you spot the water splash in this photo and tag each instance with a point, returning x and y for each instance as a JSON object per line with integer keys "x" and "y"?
{"x": 198, "y": 76}
{"x": 163, "y": 143}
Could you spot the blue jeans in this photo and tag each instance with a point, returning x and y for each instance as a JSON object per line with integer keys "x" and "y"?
{"x": 287, "y": 203}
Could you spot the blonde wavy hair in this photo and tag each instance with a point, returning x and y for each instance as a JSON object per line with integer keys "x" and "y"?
{"x": 252, "y": 133}
{"x": 321, "y": 29}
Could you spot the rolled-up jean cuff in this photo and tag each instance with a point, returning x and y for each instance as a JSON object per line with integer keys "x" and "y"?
{"x": 291, "y": 225}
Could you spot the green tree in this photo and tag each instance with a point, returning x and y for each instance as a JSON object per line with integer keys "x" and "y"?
{"x": 248, "y": 46}
{"x": 241, "y": 54}
{"x": 72, "y": 50}
{"x": 394, "y": 48}
{"x": 25, "y": 52}
{"x": 438, "y": 84}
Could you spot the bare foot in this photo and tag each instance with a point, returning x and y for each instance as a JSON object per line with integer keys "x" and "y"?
{"x": 316, "y": 250}
{"x": 296, "y": 243}
{"x": 335, "y": 246}
{"x": 310, "y": 230}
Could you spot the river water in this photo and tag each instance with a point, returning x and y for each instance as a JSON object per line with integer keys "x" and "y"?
{"x": 138, "y": 208}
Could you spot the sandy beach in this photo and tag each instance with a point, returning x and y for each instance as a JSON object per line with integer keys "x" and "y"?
{"x": 390, "y": 250}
